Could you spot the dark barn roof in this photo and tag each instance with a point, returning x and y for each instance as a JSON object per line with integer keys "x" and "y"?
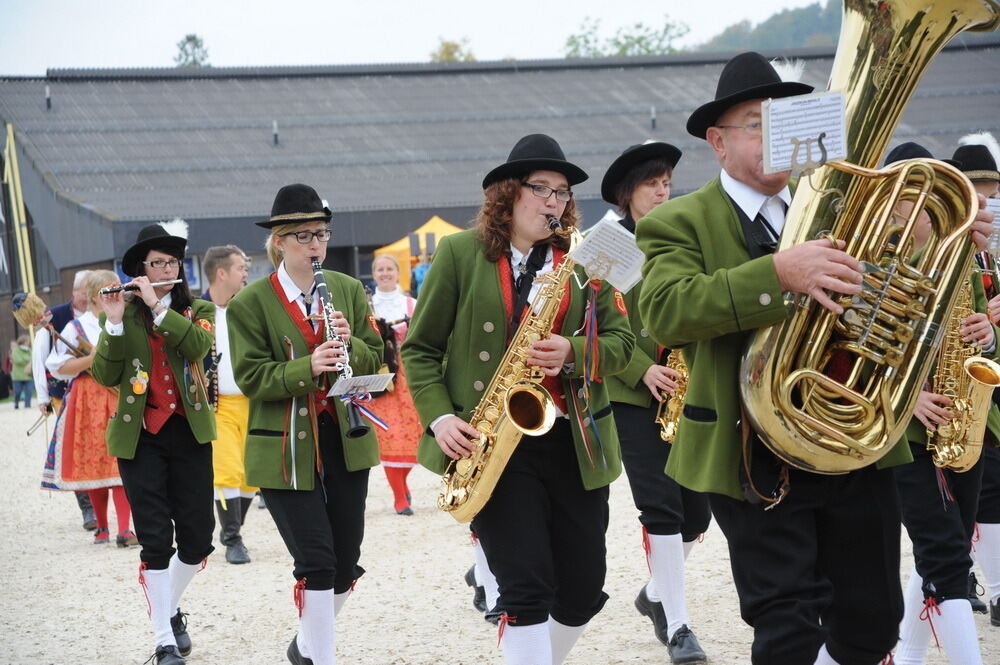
{"x": 386, "y": 145}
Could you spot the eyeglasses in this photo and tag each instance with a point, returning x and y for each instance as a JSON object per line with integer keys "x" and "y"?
{"x": 543, "y": 192}
{"x": 751, "y": 128}
{"x": 160, "y": 264}
{"x": 306, "y": 237}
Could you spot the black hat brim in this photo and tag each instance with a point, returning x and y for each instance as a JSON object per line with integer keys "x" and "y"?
{"x": 521, "y": 167}
{"x": 297, "y": 218}
{"x": 632, "y": 158}
{"x": 134, "y": 255}
{"x": 705, "y": 115}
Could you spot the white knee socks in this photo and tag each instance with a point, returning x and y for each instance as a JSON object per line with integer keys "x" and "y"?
{"x": 914, "y": 632}
{"x": 562, "y": 638}
{"x": 181, "y": 575}
{"x": 160, "y": 607}
{"x": 988, "y": 556}
{"x": 526, "y": 645}
{"x": 824, "y": 657}
{"x": 956, "y": 630}
{"x": 484, "y": 576}
{"x": 317, "y": 627}
{"x": 666, "y": 560}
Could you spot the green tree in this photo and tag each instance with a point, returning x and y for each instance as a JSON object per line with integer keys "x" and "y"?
{"x": 637, "y": 39}
{"x": 812, "y": 25}
{"x": 191, "y": 52}
{"x": 452, "y": 51}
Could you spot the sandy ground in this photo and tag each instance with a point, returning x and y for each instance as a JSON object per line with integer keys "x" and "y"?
{"x": 64, "y": 600}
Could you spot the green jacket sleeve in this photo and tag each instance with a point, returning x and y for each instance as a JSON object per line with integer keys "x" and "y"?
{"x": 636, "y": 368}
{"x": 681, "y": 304}
{"x": 109, "y": 359}
{"x": 424, "y": 349}
{"x": 192, "y": 337}
{"x": 257, "y": 373}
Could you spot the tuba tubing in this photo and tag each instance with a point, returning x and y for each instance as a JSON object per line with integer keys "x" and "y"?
{"x": 828, "y": 393}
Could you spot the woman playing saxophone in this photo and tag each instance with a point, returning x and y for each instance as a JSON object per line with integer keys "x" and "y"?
{"x": 543, "y": 529}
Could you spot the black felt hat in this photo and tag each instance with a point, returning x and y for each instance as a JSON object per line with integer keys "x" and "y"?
{"x": 911, "y": 150}
{"x": 535, "y": 152}
{"x": 977, "y": 163}
{"x": 747, "y": 76}
{"x": 151, "y": 237}
{"x": 294, "y": 204}
{"x": 631, "y": 157}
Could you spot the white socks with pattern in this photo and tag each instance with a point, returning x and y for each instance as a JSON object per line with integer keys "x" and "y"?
{"x": 666, "y": 560}
{"x": 563, "y": 638}
{"x": 526, "y": 645}
{"x": 160, "y": 608}
{"x": 181, "y": 575}
{"x": 317, "y": 638}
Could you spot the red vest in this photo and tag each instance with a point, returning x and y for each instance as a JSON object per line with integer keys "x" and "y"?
{"x": 313, "y": 338}
{"x": 164, "y": 398}
{"x": 551, "y": 383}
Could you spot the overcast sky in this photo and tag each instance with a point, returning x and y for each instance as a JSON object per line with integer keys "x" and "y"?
{"x": 39, "y": 34}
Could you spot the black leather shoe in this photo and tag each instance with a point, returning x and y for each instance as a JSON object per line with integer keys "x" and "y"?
{"x": 974, "y": 592}
{"x": 237, "y": 553}
{"x": 653, "y": 610}
{"x": 684, "y": 648}
{"x": 166, "y": 654}
{"x": 179, "y": 624}
{"x": 295, "y": 657}
{"x": 995, "y": 613}
{"x": 479, "y": 593}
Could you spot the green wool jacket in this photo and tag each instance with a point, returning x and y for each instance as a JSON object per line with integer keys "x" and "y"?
{"x": 186, "y": 341}
{"x": 278, "y": 388}
{"x": 458, "y": 336}
{"x": 701, "y": 291}
{"x": 627, "y": 386}
{"x": 915, "y": 431}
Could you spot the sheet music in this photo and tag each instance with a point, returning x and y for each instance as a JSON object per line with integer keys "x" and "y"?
{"x": 803, "y": 132}
{"x": 609, "y": 252}
{"x": 366, "y": 383}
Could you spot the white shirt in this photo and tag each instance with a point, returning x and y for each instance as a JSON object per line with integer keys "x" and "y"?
{"x": 116, "y": 329}
{"x": 227, "y": 383}
{"x": 752, "y": 202}
{"x": 60, "y": 354}
{"x": 39, "y": 353}
{"x": 519, "y": 261}
{"x": 294, "y": 294}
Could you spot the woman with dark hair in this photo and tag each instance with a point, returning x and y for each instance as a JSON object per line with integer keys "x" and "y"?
{"x": 543, "y": 528}
{"x": 300, "y": 450}
{"x": 151, "y": 350}
{"x": 672, "y": 517}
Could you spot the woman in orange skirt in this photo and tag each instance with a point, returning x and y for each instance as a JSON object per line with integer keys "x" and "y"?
{"x": 79, "y": 457}
{"x": 398, "y": 446}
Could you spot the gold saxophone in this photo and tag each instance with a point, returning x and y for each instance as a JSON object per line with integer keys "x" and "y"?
{"x": 514, "y": 404}
{"x": 831, "y": 393}
{"x": 668, "y": 413}
{"x": 968, "y": 379}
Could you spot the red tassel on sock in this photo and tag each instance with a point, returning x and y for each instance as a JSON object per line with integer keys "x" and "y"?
{"x": 646, "y": 548}
{"x": 299, "y": 595}
{"x": 504, "y": 620}
{"x": 145, "y": 592}
{"x": 975, "y": 537}
{"x": 931, "y": 606}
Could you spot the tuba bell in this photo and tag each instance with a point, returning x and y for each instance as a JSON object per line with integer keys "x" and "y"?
{"x": 832, "y": 393}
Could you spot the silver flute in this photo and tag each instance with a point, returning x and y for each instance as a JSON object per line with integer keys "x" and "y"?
{"x": 135, "y": 287}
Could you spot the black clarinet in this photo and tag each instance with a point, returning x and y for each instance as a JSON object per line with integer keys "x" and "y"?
{"x": 357, "y": 427}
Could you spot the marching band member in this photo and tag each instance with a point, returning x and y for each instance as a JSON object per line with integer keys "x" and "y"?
{"x": 711, "y": 277}
{"x": 672, "y": 516}
{"x": 543, "y": 529}
{"x": 978, "y": 160}
{"x": 151, "y": 349}
{"x": 78, "y": 451}
{"x": 939, "y": 505}
{"x": 313, "y": 477}
{"x": 226, "y": 269}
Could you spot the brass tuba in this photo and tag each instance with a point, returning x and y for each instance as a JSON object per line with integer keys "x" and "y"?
{"x": 514, "y": 404}
{"x": 968, "y": 380}
{"x": 828, "y": 393}
{"x": 668, "y": 413}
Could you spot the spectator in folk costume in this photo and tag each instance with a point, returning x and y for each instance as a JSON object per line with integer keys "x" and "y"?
{"x": 672, "y": 516}
{"x": 20, "y": 370}
{"x": 30, "y": 312}
{"x": 398, "y": 445}
{"x": 226, "y": 269}
{"x": 152, "y": 346}
{"x": 78, "y": 451}
{"x": 312, "y": 475}
{"x": 978, "y": 158}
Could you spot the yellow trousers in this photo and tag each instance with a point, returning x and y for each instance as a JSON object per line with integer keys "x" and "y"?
{"x": 229, "y": 450}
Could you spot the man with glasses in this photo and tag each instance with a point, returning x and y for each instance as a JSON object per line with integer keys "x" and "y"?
{"x": 815, "y": 558}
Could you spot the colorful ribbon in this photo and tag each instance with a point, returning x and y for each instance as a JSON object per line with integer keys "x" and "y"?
{"x": 359, "y": 400}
